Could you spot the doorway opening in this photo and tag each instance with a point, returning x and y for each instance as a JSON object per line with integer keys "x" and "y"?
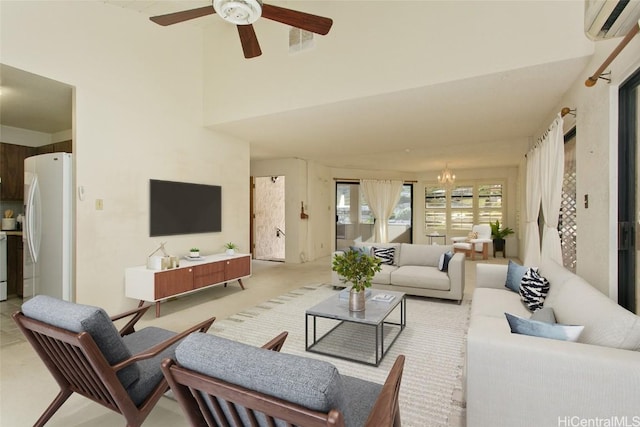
{"x": 269, "y": 235}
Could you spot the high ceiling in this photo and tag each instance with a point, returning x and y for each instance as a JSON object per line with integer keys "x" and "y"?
{"x": 487, "y": 120}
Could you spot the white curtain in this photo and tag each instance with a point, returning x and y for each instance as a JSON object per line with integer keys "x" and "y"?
{"x": 382, "y": 197}
{"x": 545, "y": 172}
{"x": 532, "y": 199}
{"x": 551, "y": 176}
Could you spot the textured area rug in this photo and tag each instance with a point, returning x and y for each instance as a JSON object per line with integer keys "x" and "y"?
{"x": 433, "y": 343}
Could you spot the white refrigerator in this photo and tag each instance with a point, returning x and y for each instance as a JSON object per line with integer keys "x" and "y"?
{"x": 48, "y": 226}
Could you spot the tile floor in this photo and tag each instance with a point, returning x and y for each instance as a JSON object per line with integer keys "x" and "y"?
{"x": 26, "y": 388}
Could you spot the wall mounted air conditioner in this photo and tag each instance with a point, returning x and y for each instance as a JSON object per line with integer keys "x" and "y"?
{"x": 605, "y": 19}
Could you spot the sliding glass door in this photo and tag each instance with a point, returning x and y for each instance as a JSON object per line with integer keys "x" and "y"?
{"x": 354, "y": 220}
{"x": 628, "y": 194}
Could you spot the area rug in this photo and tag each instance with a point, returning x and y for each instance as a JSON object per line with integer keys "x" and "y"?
{"x": 433, "y": 343}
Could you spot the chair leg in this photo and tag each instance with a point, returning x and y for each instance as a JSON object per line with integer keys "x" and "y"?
{"x": 485, "y": 251}
{"x": 53, "y": 407}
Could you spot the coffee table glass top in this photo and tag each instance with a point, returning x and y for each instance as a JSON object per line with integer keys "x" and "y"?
{"x": 375, "y": 312}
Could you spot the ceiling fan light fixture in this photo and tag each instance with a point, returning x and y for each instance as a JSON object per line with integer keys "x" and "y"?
{"x": 239, "y": 12}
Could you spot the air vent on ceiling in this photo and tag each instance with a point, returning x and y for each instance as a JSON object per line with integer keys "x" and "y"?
{"x": 605, "y": 19}
{"x": 300, "y": 40}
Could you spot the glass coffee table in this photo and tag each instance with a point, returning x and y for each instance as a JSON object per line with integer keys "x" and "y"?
{"x": 364, "y": 336}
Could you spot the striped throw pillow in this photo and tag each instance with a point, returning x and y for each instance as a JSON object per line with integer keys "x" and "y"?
{"x": 385, "y": 255}
{"x": 533, "y": 289}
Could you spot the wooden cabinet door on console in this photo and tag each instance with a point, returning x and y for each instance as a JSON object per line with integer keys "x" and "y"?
{"x": 208, "y": 274}
{"x": 237, "y": 267}
{"x": 172, "y": 282}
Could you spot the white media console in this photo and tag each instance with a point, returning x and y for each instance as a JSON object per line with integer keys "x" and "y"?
{"x": 144, "y": 284}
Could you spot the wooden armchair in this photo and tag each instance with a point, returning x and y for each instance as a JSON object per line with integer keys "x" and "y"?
{"x": 87, "y": 355}
{"x": 219, "y": 382}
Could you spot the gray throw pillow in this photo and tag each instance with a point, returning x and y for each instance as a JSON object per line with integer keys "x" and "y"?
{"x": 535, "y": 328}
{"x": 515, "y": 272}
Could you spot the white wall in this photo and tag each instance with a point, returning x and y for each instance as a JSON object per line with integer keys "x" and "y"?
{"x": 137, "y": 115}
{"x": 315, "y": 237}
{"x": 596, "y": 163}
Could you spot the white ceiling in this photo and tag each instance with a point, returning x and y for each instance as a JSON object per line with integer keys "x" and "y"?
{"x": 29, "y": 101}
{"x": 488, "y": 120}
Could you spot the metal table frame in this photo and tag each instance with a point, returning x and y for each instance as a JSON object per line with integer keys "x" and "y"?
{"x": 380, "y": 351}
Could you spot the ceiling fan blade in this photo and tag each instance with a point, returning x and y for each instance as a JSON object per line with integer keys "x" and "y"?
{"x": 305, "y": 21}
{"x": 249, "y": 41}
{"x": 185, "y": 15}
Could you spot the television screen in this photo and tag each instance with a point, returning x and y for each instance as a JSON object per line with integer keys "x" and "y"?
{"x": 183, "y": 208}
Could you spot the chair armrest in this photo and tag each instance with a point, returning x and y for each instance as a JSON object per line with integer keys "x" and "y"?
{"x": 276, "y": 343}
{"x": 480, "y": 241}
{"x": 156, "y": 349}
{"x": 137, "y": 314}
{"x": 458, "y": 239}
{"x": 385, "y": 411}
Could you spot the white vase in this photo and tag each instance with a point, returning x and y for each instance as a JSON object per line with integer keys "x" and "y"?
{"x": 356, "y": 300}
{"x": 231, "y": 252}
{"x": 194, "y": 254}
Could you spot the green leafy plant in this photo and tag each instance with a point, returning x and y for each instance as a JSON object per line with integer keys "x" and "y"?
{"x": 356, "y": 268}
{"x": 498, "y": 233}
{"x": 194, "y": 250}
{"x": 230, "y": 245}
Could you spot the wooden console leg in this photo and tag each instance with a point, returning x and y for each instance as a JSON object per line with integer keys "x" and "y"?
{"x": 241, "y": 285}
{"x": 157, "y": 308}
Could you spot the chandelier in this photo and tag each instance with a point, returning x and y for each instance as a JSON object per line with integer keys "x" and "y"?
{"x": 446, "y": 177}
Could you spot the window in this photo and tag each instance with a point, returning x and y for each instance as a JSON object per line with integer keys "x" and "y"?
{"x": 435, "y": 207}
{"x": 456, "y": 210}
{"x": 461, "y": 217}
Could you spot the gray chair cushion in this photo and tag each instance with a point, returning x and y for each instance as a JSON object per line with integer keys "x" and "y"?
{"x": 85, "y": 318}
{"x": 361, "y": 395}
{"x": 311, "y": 383}
{"x": 150, "y": 372}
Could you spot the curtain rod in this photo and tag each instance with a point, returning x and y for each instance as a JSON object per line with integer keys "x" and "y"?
{"x": 591, "y": 81}
{"x": 357, "y": 180}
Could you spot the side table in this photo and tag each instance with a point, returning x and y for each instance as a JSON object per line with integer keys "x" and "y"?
{"x": 435, "y": 236}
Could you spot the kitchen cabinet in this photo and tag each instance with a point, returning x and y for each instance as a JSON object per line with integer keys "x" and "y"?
{"x": 56, "y": 147}
{"x": 155, "y": 286}
{"x": 14, "y": 264}
{"x": 12, "y": 170}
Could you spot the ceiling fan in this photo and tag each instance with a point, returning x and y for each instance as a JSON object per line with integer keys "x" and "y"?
{"x": 244, "y": 13}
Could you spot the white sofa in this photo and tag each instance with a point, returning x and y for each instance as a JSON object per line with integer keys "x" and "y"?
{"x": 415, "y": 271}
{"x": 520, "y": 380}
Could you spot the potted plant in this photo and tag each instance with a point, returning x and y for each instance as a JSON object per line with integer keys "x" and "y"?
{"x": 356, "y": 268}
{"x": 231, "y": 248}
{"x": 194, "y": 253}
{"x": 498, "y": 234}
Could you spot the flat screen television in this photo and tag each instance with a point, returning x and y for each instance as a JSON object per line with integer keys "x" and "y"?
{"x": 183, "y": 208}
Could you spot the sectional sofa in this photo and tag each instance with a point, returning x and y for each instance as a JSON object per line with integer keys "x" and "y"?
{"x": 414, "y": 270}
{"x": 523, "y": 380}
